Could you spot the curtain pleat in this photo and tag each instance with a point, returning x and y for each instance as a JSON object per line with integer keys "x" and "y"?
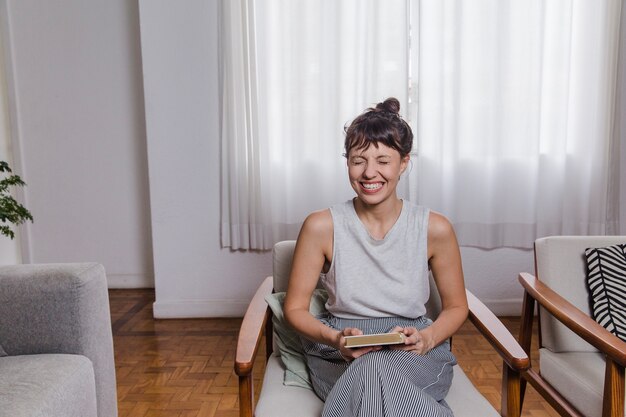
{"x": 243, "y": 222}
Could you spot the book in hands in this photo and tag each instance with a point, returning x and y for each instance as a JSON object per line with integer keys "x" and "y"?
{"x": 377, "y": 339}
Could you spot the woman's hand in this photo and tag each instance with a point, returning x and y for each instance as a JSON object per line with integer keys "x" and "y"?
{"x": 350, "y": 354}
{"x": 415, "y": 341}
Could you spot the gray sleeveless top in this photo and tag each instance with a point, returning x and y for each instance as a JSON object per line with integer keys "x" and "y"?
{"x": 378, "y": 278}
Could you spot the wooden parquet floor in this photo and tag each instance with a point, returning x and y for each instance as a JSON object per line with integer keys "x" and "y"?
{"x": 184, "y": 368}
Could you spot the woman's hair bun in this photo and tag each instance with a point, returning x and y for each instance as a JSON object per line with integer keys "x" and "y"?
{"x": 380, "y": 124}
{"x": 391, "y": 105}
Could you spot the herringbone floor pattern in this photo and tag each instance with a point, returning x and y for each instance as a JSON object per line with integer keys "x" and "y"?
{"x": 184, "y": 368}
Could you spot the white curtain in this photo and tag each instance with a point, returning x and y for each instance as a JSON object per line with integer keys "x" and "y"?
{"x": 516, "y": 104}
{"x": 316, "y": 65}
{"x": 512, "y": 103}
{"x": 243, "y": 210}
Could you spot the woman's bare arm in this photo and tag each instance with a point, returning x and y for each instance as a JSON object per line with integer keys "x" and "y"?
{"x": 446, "y": 267}
{"x": 313, "y": 247}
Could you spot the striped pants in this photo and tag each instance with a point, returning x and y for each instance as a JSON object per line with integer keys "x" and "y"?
{"x": 390, "y": 383}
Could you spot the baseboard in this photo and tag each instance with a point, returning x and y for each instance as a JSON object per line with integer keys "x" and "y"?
{"x": 125, "y": 281}
{"x": 199, "y": 309}
{"x": 506, "y": 307}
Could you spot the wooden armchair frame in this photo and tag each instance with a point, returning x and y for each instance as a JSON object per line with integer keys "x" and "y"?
{"x": 580, "y": 323}
{"x": 258, "y": 320}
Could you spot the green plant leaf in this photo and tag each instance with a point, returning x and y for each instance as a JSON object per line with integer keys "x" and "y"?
{"x": 11, "y": 211}
{"x": 7, "y": 232}
{"x": 4, "y": 167}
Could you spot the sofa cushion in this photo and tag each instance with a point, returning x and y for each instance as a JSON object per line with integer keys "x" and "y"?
{"x": 278, "y": 400}
{"x": 606, "y": 280}
{"x": 47, "y": 385}
{"x": 578, "y": 376}
{"x": 288, "y": 341}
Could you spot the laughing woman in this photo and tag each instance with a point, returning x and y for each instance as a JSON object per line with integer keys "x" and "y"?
{"x": 375, "y": 252}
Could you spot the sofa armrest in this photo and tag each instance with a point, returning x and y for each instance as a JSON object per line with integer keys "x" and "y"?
{"x": 60, "y": 308}
{"x": 497, "y": 334}
{"x": 575, "y": 319}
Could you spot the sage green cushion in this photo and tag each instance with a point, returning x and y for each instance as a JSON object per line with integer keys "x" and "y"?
{"x": 288, "y": 341}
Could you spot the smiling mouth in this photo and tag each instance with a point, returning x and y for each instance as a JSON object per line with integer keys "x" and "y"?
{"x": 371, "y": 187}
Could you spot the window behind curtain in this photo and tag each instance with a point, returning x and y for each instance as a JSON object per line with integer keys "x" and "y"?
{"x": 512, "y": 104}
{"x": 516, "y": 106}
{"x": 318, "y": 64}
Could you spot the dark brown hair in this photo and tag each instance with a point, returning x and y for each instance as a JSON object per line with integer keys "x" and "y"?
{"x": 380, "y": 124}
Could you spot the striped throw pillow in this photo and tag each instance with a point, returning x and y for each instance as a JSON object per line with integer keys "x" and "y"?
{"x": 606, "y": 280}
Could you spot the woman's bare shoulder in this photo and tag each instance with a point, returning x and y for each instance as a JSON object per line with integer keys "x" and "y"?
{"x": 319, "y": 224}
{"x": 316, "y": 236}
{"x": 442, "y": 241}
{"x": 439, "y": 227}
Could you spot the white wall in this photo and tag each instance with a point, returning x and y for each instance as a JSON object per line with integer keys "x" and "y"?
{"x": 9, "y": 249}
{"x": 193, "y": 275}
{"x": 80, "y": 133}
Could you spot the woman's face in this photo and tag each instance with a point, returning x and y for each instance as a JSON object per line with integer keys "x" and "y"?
{"x": 375, "y": 171}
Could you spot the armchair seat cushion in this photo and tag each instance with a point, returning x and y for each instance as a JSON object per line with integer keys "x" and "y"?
{"x": 47, "y": 385}
{"x": 279, "y": 400}
{"x": 465, "y": 400}
{"x": 579, "y": 376}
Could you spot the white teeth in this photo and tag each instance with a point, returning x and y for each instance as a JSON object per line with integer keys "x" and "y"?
{"x": 372, "y": 186}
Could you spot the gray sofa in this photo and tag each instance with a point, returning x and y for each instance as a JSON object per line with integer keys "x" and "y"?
{"x": 56, "y": 343}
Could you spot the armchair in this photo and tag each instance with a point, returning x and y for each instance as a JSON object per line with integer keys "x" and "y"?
{"x": 56, "y": 343}
{"x": 277, "y": 399}
{"x": 581, "y": 363}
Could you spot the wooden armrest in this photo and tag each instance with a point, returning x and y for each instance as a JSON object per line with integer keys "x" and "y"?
{"x": 498, "y": 335}
{"x": 251, "y": 330}
{"x": 575, "y": 319}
